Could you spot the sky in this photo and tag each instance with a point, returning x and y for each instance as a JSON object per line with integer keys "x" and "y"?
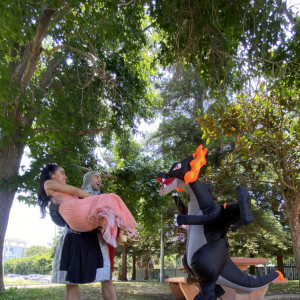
{"x": 25, "y": 221}
{"x": 25, "y": 224}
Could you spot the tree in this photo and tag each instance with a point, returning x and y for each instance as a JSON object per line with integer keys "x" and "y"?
{"x": 40, "y": 263}
{"x": 36, "y": 250}
{"x": 135, "y": 172}
{"x": 68, "y": 71}
{"x": 264, "y": 237}
{"x": 183, "y": 94}
{"x": 265, "y": 128}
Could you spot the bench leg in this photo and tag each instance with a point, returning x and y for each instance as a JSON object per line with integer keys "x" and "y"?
{"x": 190, "y": 290}
{"x": 176, "y": 291}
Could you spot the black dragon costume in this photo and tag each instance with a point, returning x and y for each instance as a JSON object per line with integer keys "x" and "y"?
{"x": 207, "y": 256}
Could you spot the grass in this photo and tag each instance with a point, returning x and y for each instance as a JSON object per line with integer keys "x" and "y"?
{"x": 149, "y": 290}
{"x": 292, "y": 287}
{"x": 125, "y": 291}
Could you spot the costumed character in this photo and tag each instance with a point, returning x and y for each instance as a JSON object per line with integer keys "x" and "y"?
{"x": 207, "y": 255}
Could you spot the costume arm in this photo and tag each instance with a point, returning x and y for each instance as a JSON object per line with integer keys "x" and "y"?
{"x": 208, "y": 218}
{"x": 51, "y": 185}
{"x": 182, "y": 209}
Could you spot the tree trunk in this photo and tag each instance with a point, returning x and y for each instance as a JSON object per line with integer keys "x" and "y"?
{"x": 146, "y": 272}
{"x": 162, "y": 252}
{"x": 10, "y": 159}
{"x": 295, "y": 232}
{"x": 280, "y": 262}
{"x": 133, "y": 274}
{"x": 124, "y": 263}
{"x": 11, "y": 149}
{"x": 252, "y": 268}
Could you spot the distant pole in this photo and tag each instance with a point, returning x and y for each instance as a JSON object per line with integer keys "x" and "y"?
{"x": 162, "y": 254}
{"x": 162, "y": 236}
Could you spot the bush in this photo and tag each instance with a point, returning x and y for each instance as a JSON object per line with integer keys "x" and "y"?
{"x": 41, "y": 264}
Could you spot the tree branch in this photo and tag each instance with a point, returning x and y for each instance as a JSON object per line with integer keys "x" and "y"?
{"x": 249, "y": 181}
{"x": 62, "y": 149}
{"x": 278, "y": 172}
{"x": 85, "y": 169}
{"x": 81, "y": 132}
{"x": 36, "y": 44}
{"x": 124, "y": 3}
{"x": 89, "y": 131}
{"x": 48, "y": 74}
{"x": 89, "y": 57}
{"x": 108, "y": 176}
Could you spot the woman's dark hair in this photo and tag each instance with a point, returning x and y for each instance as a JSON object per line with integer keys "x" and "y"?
{"x": 43, "y": 199}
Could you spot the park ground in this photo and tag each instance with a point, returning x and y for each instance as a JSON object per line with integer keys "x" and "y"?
{"x": 130, "y": 290}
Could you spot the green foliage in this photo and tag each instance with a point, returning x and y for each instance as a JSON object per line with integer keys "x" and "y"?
{"x": 221, "y": 38}
{"x": 35, "y": 264}
{"x": 36, "y": 250}
{"x": 136, "y": 172}
{"x": 89, "y": 79}
{"x": 263, "y": 126}
{"x": 136, "y": 183}
{"x": 264, "y": 237}
{"x": 264, "y": 130}
{"x": 178, "y": 134}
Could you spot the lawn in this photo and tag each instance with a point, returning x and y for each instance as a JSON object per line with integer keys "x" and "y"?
{"x": 292, "y": 287}
{"x": 150, "y": 290}
{"x": 125, "y": 290}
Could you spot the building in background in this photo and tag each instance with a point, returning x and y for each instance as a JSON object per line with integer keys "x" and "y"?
{"x": 13, "y": 248}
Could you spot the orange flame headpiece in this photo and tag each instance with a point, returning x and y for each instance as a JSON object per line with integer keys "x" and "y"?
{"x": 196, "y": 165}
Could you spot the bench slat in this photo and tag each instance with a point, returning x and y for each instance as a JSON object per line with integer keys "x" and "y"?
{"x": 181, "y": 280}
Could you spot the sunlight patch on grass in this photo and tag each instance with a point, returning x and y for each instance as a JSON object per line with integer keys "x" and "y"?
{"x": 19, "y": 281}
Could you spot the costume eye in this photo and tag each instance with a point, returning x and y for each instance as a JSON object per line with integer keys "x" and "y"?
{"x": 177, "y": 167}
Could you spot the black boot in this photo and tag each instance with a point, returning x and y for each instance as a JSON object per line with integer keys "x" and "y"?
{"x": 244, "y": 201}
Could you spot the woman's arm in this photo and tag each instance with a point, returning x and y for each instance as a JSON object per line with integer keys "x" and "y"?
{"x": 50, "y": 186}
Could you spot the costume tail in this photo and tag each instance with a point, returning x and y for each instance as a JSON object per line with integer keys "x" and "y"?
{"x": 231, "y": 276}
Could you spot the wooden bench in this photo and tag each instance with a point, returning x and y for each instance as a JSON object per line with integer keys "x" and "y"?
{"x": 183, "y": 288}
{"x": 186, "y": 288}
